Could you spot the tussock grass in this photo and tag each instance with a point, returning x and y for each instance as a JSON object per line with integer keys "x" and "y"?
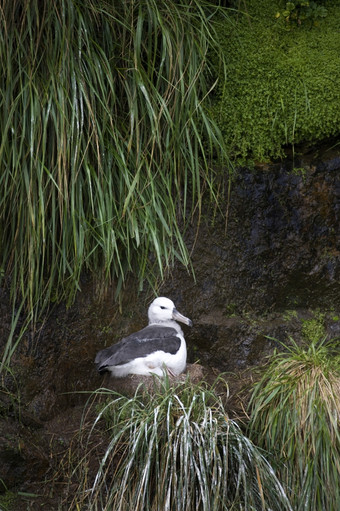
{"x": 106, "y": 148}
{"x": 175, "y": 450}
{"x": 102, "y": 125}
{"x": 295, "y": 411}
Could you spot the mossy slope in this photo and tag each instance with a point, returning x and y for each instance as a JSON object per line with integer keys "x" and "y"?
{"x": 282, "y": 86}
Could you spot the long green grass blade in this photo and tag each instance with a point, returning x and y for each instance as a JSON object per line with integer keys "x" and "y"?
{"x": 175, "y": 450}
{"x": 103, "y": 153}
{"x": 295, "y": 410}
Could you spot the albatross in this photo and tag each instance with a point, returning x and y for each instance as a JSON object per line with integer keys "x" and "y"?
{"x": 160, "y": 345}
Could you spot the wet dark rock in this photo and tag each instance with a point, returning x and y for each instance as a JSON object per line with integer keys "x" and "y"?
{"x": 281, "y": 248}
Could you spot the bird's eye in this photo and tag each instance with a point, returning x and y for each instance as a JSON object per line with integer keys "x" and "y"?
{"x": 162, "y": 307}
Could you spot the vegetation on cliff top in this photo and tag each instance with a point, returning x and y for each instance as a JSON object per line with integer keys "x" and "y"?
{"x": 283, "y": 78}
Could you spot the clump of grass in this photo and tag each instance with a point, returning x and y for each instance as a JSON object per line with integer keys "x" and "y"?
{"x": 106, "y": 147}
{"x": 294, "y": 414}
{"x": 102, "y": 126}
{"x": 176, "y": 449}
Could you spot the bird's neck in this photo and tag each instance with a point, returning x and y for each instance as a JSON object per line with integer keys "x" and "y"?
{"x": 170, "y": 323}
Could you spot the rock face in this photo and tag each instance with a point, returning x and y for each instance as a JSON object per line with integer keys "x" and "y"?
{"x": 275, "y": 267}
{"x": 272, "y": 271}
{"x": 281, "y": 248}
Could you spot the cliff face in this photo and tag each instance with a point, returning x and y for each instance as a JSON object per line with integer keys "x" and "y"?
{"x": 276, "y": 267}
{"x": 273, "y": 273}
{"x": 281, "y": 248}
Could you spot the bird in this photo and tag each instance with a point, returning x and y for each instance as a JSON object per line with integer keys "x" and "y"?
{"x": 157, "y": 348}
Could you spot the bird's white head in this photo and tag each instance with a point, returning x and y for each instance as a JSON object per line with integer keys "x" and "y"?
{"x": 163, "y": 309}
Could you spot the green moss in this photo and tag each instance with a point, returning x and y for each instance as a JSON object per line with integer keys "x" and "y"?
{"x": 290, "y": 314}
{"x": 314, "y": 329}
{"x": 7, "y": 501}
{"x": 282, "y": 87}
{"x": 231, "y": 310}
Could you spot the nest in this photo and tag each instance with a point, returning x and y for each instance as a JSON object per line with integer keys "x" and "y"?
{"x": 129, "y": 385}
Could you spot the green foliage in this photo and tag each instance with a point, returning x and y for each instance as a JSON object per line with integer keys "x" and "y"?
{"x": 7, "y": 501}
{"x": 298, "y": 12}
{"x": 294, "y": 414}
{"x": 176, "y": 450}
{"x": 281, "y": 87}
{"x": 314, "y": 329}
{"x": 101, "y": 124}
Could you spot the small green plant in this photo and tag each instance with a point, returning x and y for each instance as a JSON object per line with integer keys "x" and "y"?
{"x": 300, "y": 171}
{"x": 7, "y": 501}
{"x": 314, "y": 329}
{"x": 231, "y": 309}
{"x": 177, "y": 450}
{"x": 298, "y": 12}
{"x": 294, "y": 414}
{"x": 290, "y": 314}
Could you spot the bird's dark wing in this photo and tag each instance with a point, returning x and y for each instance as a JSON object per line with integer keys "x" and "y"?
{"x": 140, "y": 344}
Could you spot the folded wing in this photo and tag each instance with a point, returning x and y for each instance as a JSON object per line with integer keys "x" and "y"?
{"x": 140, "y": 344}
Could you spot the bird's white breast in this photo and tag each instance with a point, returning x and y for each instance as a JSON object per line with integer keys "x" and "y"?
{"x": 154, "y": 363}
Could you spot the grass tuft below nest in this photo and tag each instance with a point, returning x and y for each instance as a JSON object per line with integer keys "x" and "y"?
{"x": 174, "y": 449}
